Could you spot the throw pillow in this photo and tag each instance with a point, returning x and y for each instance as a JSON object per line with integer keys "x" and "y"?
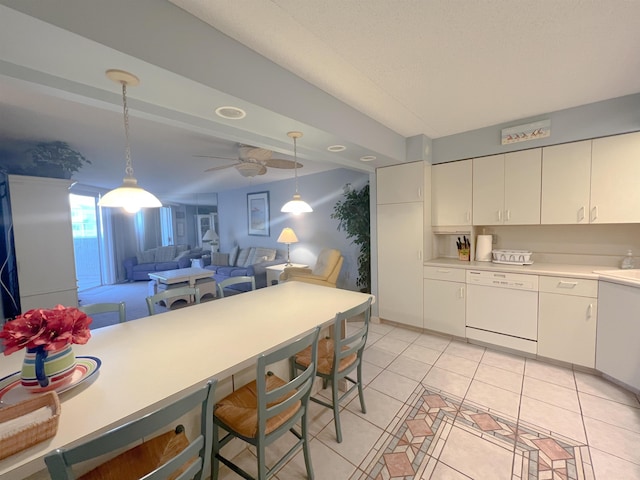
{"x": 268, "y": 253}
{"x": 220, "y": 259}
{"x": 244, "y": 256}
{"x": 233, "y": 256}
{"x": 165, "y": 254}
{"x": 148, "y": 256}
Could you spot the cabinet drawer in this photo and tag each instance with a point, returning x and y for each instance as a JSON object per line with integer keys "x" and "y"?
{"x": 445, "y": 273}
{"x": 569, "y": 286}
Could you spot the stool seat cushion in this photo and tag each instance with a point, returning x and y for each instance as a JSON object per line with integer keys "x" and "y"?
{"x": 325, "y": 357}
{"x": 239, "y": 410}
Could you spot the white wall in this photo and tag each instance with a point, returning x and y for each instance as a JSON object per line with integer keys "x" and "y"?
{"x": 314, "y": 230}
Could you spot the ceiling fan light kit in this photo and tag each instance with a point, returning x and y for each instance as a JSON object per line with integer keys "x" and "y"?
{"x": 296, "y": 205}
{"x": 129, "y": 195}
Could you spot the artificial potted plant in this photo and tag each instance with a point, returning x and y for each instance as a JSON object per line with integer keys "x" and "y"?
{"x": 57, "y": 159}
{"x": 353, "y": 216}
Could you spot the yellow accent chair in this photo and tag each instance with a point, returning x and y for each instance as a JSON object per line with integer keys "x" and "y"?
{"x": 325, "y": 272}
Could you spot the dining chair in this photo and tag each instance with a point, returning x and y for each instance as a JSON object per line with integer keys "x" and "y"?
{"x": 173, "y": 457}
{"x": 171, "y": 293}
{"x": 338, "y": 358}
{"x": 227, "y": 282}
{"x": 265, "y": 409}
{"x": 107, "y": 307}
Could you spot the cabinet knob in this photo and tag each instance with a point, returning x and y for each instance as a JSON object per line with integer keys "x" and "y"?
{"x": 590, "y": 310}
{"x": 594, "y": 213}
{"x": 581, "y": 214}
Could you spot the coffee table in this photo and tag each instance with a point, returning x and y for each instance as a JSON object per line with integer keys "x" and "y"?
{"x": 192, "y": 276}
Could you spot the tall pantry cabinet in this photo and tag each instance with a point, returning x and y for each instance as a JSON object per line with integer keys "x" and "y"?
{"x": 400, "y": 206}
{"x": 44, "y": 242}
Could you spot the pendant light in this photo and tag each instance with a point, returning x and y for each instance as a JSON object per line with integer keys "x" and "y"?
{"x": 129, "y": 195}
{"x": 297, "y": 205}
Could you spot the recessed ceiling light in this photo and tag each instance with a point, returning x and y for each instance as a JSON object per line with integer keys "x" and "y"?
{"x": 231, "y": 113}
{"x": 336, "y": 148}
{"x": 367, "y": 158}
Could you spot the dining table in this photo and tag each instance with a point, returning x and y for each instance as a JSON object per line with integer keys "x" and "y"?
{"x": 147, "y": 363}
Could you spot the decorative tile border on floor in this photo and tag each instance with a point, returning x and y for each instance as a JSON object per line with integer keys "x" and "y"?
{"x": 411, "y": 450}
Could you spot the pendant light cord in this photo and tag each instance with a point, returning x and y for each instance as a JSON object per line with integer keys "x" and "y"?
{"x": 295, "y": 163}
{"x": 128, "y": 170}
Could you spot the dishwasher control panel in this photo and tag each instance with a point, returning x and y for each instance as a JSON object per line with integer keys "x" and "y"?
{"x": 514, "y": 281}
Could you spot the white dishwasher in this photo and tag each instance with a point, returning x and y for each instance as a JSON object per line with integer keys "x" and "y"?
{"x": 502, "y": 308}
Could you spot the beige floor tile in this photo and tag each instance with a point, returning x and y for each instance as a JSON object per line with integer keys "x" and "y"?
{"x": 475, "y": 457}
{"x": 394, "y": 385}
{"x": 457, "y": 364}
{"x": 445, "y": 472}
{"x": 358, "y": 437}
{"x": 408, "y": 367}
{"x": 447, "y": 381}
{"x": 318, "y": 418}
{"x": 381, "y": 328}
{"x": 601, "y": 387}
{"x": 391, "y": 344}
{"x": 404, "y": 334}
{"x": 466, "y": 350}
{"x": 369, "y": 370}
{"x": 607, "y": 466}
{"x": 494, "y": 398}
{"x": 550, "y": 373}
{"x": 372, "y": 338}
{"x": 617, "y": 441}
{"x": 422, "y": 354}
{"x": 551, "y": 393}
{"x": 433, "y": 341}
{"x": 552, "y": 418}
{"x": 379, "y": 357}
{"x": 611, "y": 412}
{"x": 500, "y": 378}
{"x": 381, "y": 408}
{"x": 503, "y": 360}
{"x": 325, "y": 461}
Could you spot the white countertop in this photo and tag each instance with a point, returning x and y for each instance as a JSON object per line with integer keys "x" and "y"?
{"x": 593, "y": 272}
{"x": 146, "y": 361}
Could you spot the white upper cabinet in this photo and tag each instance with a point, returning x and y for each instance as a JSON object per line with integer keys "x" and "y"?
{"x": 566, "y": 183}
{"x": 451, "y": 193}
{"x": 400, "y": 183}
{"x": 615, "y": 177}
{"x": 506, "y": 188}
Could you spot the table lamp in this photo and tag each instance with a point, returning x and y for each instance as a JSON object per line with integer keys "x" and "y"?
{"x": 210, "y": 236}
{"x": 287, "y": 236}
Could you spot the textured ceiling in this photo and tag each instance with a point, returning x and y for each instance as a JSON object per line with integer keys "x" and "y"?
{"x": 442, "y": 67}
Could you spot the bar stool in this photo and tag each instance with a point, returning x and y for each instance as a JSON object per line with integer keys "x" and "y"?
{"x": 95, "y": 308}
{"x": 263, "y": 410}
{"x": 338, "y": 358}
{"x": 165, "y": 295}
{"x": 227, "y": 282}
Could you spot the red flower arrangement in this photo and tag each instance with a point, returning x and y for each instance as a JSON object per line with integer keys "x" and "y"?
{"x": 50, "y": 328}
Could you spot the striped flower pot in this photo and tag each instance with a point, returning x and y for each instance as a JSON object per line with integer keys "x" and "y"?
{"x": 44, "y": 370}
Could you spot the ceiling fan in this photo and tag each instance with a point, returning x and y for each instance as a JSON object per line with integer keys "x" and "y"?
{"x": 253, "y": 161}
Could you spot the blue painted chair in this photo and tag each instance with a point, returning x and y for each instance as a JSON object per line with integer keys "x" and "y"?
{"x": 338, "y": 358}
{"x": 227, "y": 282}
{"x": 183, "y": 459}
{"x": 263, "y": 410}
{"x": 96, "y": 308}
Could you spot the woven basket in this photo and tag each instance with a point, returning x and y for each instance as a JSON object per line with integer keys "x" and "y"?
{"x": 31, "y": 434}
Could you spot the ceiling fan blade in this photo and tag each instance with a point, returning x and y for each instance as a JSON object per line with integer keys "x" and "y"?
{"x": 281, "y": 163}
{"x": 222, "y": 167}
{"x": 214, "y": 156}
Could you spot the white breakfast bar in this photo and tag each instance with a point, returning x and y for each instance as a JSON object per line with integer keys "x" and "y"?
{"x": 148, "y": 361}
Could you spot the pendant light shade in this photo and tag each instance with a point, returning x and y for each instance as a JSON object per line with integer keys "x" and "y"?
{"x": 129, "y": 195}
{"x": 296, "y": 205}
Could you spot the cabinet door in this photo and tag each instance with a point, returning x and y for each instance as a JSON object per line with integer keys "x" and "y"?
{"x": 488, "y": 190}
{"x": 44, "y": 241}
{"x": 400, "y": 183}
{"x": 566, "y": 183}
{"x": 400, "y": 263}
{"x": 615, "y": 171}
{"x": 444, "y": 306}
{"x": 567, "y": 328}
{"x": 451, "y": 200}
{"x": 522, "y": 182}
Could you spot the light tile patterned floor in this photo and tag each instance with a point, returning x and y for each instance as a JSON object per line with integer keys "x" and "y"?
{"x": 444, "y": 409}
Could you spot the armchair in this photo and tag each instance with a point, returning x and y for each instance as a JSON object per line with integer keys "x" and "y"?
{"x": 325, "y": 272}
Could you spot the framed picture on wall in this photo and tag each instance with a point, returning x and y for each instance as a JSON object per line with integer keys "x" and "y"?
{"x": 258, "y": 213}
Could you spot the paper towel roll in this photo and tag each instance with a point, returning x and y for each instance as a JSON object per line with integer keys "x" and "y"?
{"x": 484, "y": 245}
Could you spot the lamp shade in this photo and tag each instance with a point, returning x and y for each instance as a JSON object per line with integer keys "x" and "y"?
{"x": 129, "y": 196}
{"x": 287, "y": 236}
{"x": 210, "y": 236}
{"x": 297, "y": 205}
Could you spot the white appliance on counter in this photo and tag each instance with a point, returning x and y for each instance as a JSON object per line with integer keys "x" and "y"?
{"x": 502, "y": 309}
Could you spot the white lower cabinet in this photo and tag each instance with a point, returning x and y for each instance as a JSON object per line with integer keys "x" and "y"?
{"x": 444, "y": 300}
{"x": 567, "y": 320}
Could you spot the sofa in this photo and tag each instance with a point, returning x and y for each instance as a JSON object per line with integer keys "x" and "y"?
{"x": 250, "y": 261}
{"x": 159, "y": 259}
